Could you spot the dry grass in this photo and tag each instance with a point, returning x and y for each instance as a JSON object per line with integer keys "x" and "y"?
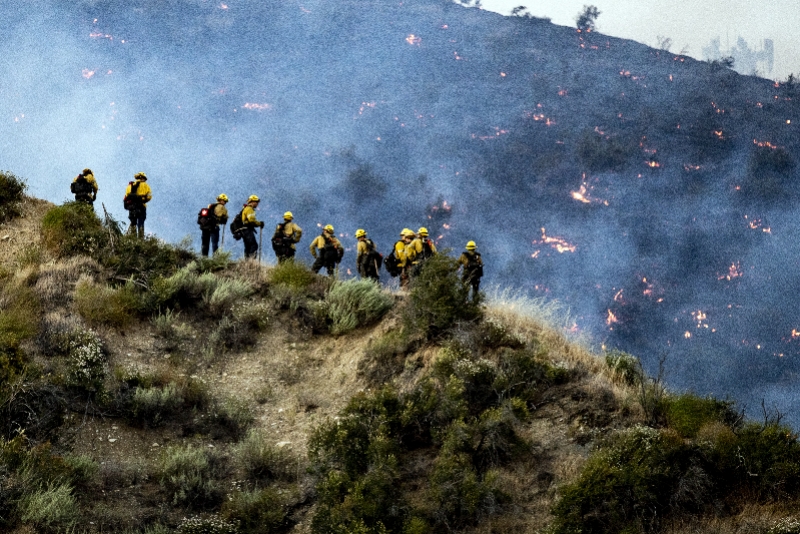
{"x": 750, "y": 519}
{"x": 56, "y": 281}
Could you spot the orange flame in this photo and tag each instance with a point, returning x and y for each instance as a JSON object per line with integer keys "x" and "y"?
{"x": 413, "y": 39}
{"x": 734, "y": 271}
{"x": 558, "y": 243}
{"x": 611, "y": 318}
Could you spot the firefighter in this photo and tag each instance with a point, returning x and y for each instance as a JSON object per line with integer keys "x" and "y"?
{"x": 422, "y": 248}
{"x": 209, "y": 220}
{"x": 84, "y": 187}
{"x": 368, "y": 259}
{"x": 137, "y": 195}
{"x": 249, "y": 225}
{"x": 286, "y": 235}
{"x": 472, "y": 264}
{"x": 327, "y": 251}
{"x": 405, "y": 254}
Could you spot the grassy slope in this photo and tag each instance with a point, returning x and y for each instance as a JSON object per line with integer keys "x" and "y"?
{"x": 292, "y": 380}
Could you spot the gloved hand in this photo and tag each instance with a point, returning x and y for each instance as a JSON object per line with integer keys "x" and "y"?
{"x": 261, "y": 224}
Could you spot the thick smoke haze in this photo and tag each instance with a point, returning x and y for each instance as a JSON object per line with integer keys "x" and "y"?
{"x": 652, "y": 194}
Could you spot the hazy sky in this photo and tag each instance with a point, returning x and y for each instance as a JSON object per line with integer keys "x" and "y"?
{"x": 690, "y": 24}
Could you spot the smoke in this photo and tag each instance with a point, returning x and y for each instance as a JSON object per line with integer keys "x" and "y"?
{"x": 619, "y": 180}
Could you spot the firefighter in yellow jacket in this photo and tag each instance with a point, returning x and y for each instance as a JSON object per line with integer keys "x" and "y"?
{"x": 472, "y": 268}
{"x": 84, "y": 187}
{"x": 215, "y": 214}
{"x": 286, "y": 235}
{"x": 420, "y": 249}
{"x": 250, "y": 223}
{"x": 404, "y": 254}
{"x": 137, "y": 195}
{"x": 368, "y": 259}
{"x": 327, "y": 251}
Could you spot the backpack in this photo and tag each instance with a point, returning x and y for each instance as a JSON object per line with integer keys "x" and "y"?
{"x": 474, "y": 265}
{"x": 331, "y": 251}
{"x": 81, "y": 186}
{"x": 373, "y": 256}
{"x": 279, "y": 240}
{"x": 206, "y": 217}
{"x": 427, "y": 249}
{"x": 237, "y": 225}
{"x": 132, "y": 200}
{"x": 392, "y": 264}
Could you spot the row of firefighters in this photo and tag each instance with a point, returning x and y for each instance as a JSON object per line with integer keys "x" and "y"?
{"x": 405, "y": 259}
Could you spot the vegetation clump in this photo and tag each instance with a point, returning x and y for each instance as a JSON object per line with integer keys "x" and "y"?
{"x": 12, "y": 190}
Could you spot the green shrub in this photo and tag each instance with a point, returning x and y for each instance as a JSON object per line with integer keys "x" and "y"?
{"x": 190, "y": 476}
{"x": 210, "y": 525}
{"x": 12, "y": 189}
{"x": 152, "y": 406}
{"x": 293, "y": 274}
{"x": 227, "y": 292}
{"x": 83, "y": 469}
{"x": 625, "y": 367}
{"x": 19, "y": 312}
{"x": 264, "y": 511}
{"x": 630, "y": 483}
{"x": 765, "y": 457}
{"x": 252, "y": 315}
{"x": 438, "y": 299}
{"x": 462, "y": 496}
{"x": 787, "y": 525}
{"x": 219, "y": 261}
{"x": 687, "y": 413}
{"x": 73, "y": 229}
{"x": 231, "y": 415}
{"x": 49, "y": 507}
{"x": 492, "y": 334}
{"x": 145, "y": 259}
{"x": 260, "y": 460}
{"x": 87, "y": 361}
{"x": 356, "y": 303}
{"x": 104, "y": 305}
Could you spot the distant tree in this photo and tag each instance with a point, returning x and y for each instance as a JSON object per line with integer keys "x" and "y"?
{"x": 520, "y": 11}
{"x": 726, "y": 62}
{"x": 587, "y": 19}
{"x": 664, "y": 43}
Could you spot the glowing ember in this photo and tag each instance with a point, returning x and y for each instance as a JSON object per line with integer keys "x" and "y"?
{"x": 365, "y": 106}
{"x": 687, "y": 334}
{"x": 757, "y": 224}
{"x": 765, "y": 144}
{"x": 413, "y": 39}
{"x": 688, "y": 167}
{"x": 257, "y": 107}
{"x": 653, "y": 164}
{"x": 562, "y": 92}
{"x": 580, "y": 195}
{"x": 795, "y": 333}
{"x": 611, "y": 318}
{"x": 87, "y": 73}
{"x": 734, "y": 271}
{"x": 718, "y": 133}
{"x": 558, "y": 243}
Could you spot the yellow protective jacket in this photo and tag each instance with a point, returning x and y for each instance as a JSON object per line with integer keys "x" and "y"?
{"x": 319, "y": 243}
{"x": 400, "y": 249}
{"x": 290, "y": 231}
{"x": 361, "y": 250}
{"x": 143, "y": 191}
{"x": 249, "y": 217}
{"x": 89, "y": 178}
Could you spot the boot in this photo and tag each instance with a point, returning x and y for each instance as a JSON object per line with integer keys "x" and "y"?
{"x": 141, "y": 232}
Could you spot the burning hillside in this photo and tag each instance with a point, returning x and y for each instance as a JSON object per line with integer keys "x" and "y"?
{"x": 582, "y": 165}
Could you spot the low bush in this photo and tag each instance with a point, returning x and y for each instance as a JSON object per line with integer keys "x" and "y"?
{"x": 191, "y": 476}
{"x": 152, "y": 406}
{"x": 264, "y": 511}
{"x": 73, "y": 229}
{"x": 355, "y": 303}
{"x": 687, "y": 413}
{"x": 207, "y": 525}
{"x": 438, "y": 299}
{"x": 227, "y": 292}
{"x": 261, "y": 460}
{"x": 51, "y": 507}
{"x": 142, "y": 260}
{"x": 12, "y": 190}
{"x": 103, "y": 305}
{"x": 625, "y": 367}
{"x": 787, "y": 525}
{"x": 292, "y": 274}
{"x": 87, "y": 361}
{"x": 219, "y": 261}
{"x": 231, "y": 416}
{"x": 462, "y": 495}
{"x": 251, "y": 314}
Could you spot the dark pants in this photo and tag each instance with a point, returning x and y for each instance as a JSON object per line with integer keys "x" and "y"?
{"x": 86, "y": 199}
{"x": 250, "y": 242}
{"x": 137, "y": 216}
{"x": 212, "y": 236}
{"x": 286, "y": 253}
{"x": 368, "y": 269}
{"x": 322, "y": 261}
{"x": 475, "y": 282}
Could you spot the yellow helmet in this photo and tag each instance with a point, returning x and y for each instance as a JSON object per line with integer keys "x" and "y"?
{"x": 423, "y": 232}
{"x": 86, "y": 171}
{"x": 406, "y": 232}
{"x": 471, "y": 245}
{"x": 361, "y": 233}
{"x": 253, "y": 198}
{"x": 140, "y": 176}
{"x": 328, "y": 228}
{"x": 288, "y": 216}
{"x": 222, "y": 197}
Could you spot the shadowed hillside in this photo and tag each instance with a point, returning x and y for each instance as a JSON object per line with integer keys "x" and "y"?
{"x": 145, "y": 390}
{"x": 651, "y": 193}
